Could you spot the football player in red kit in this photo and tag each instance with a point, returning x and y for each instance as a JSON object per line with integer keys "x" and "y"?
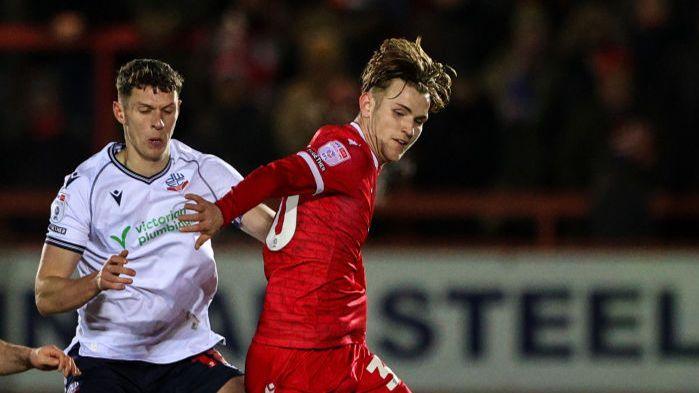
{"x": 312, "y": 330}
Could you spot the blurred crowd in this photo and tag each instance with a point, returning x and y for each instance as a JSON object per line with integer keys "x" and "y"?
{"x": 599, "y": 96}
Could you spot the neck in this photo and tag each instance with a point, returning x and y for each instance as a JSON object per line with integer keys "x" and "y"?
{"x": 369, "y": 136}
{"x": 130, "y": 158}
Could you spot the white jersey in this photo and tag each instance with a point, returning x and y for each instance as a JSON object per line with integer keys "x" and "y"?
{"x": 104, "y": 208}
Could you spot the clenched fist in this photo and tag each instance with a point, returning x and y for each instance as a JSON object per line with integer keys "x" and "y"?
{"x": 49, "y": 357}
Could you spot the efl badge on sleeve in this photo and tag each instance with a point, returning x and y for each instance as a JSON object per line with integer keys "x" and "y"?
{"x": 58, "y": 207}
{"x": 334, "y": 153}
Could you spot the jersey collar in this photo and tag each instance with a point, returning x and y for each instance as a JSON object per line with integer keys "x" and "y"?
{"x": 117, "y": 147}
{"x": 359, "y": 130}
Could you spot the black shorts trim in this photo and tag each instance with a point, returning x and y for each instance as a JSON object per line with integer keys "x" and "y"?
{"x": 205, "y": 372}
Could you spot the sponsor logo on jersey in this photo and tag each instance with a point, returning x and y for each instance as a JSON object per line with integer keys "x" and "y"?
{"x": 122, "y": 240}
{"x": 116, "y": 194}
{"x": 176, "y": 182}
{"x": 352, "y": 142}
{"x": 71, "y": 179}
{"x": 334, "y": 153}
{"x": 57, "y": 229}
{"x": 58, "y": 207}
{"x": 152, "y": 228}
{"x": 317, "y": 159}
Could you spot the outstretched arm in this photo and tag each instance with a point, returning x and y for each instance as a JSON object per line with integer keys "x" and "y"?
{"x": 287, "y": 176}
{"x": 18, "y": 358}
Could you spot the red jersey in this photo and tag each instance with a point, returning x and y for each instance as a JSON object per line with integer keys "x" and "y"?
{"x": 316, "y": 291}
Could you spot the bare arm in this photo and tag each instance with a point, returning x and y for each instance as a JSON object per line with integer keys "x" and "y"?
{"x": 55, "y": 291}
{"x": 257, "y": 222}
{"x": 13, "y": 358}
{"x": 18, "y": 358}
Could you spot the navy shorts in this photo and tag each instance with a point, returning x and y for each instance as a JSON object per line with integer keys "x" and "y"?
{"x": 206, "y": 372}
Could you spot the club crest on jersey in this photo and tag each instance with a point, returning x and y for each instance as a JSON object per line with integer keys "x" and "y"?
{"x": 176, "y": 182}
{"x": 334, "y": 153}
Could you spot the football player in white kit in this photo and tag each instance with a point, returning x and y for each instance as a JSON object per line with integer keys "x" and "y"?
{"x": 142, "y": 292}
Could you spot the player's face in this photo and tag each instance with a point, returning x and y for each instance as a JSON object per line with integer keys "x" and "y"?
{"x": 396, "y": 118}
{"x": 149, "y": 116}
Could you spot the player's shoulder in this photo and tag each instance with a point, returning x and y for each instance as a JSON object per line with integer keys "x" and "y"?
{"x": 85, "y": 173}
{"x": 338, "y": 138}
{"x": 334, "y": 131}
{"x": 209, "y": 165}
{"x": 181, "y": 151}
{"x": 336, "y": 144}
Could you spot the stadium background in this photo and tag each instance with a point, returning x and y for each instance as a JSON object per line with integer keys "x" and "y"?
{"x": 540, "y": 237}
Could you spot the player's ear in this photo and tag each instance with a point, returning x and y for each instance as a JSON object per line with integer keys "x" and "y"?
{"x": 366, "y": 104}
{"x": 118, "y": 110}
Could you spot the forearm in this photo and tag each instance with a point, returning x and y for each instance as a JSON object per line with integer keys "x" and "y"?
{"x": 56, "y": 294}
{"x": 257, "y": 222}
{"x": 287, "y": 176}
{"x": 14, "y": 358}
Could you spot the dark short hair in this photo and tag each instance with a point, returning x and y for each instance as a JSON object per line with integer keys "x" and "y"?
{"x": 140, "y": 73}
{"x": 400, "y": 58}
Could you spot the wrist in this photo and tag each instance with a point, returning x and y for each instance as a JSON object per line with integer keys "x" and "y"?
{"x": 225, "y": 207}
{"x": 95, "y": 282}
{"x": 30, "y": 357}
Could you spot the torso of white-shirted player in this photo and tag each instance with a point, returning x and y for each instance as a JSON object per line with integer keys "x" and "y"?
{"x": 103, "y": 208}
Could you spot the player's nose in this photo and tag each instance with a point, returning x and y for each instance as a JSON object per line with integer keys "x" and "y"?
{"x": 159, "y": 124}
{"x": 409, "y": 131}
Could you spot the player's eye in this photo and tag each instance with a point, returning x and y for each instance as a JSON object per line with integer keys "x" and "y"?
{"x": 144, "y": 110}
{"x": 399, "y": 113}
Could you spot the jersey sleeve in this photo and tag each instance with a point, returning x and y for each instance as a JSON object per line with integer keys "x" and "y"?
{"x": 69, "y": 222}
{"x": 336, "y": 162}
{"x": 220, "y": 177}
{"x": 314, "y": 170}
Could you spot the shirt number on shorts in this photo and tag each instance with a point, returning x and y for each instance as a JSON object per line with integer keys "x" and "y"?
{"x": 284, "y": 224}
{"x": 377, "y": 365}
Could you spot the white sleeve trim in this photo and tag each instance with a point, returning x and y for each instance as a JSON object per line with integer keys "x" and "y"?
{"x": 320, "y": 186}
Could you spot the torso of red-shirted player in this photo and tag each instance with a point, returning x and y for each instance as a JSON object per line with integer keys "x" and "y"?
{"x": 316, "y": 291}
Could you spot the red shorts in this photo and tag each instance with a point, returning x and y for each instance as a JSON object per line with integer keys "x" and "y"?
{"x": 349, "y": 368}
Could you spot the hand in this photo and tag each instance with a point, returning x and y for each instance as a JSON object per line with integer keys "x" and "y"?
{"x": 51, "y": 358}
{"x": 108, "y": 277}
{"x": 209, "y": 219}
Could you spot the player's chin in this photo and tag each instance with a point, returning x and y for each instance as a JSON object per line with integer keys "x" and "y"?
{"x": 155, "y": 151}
{"x": 393, "y": 156}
